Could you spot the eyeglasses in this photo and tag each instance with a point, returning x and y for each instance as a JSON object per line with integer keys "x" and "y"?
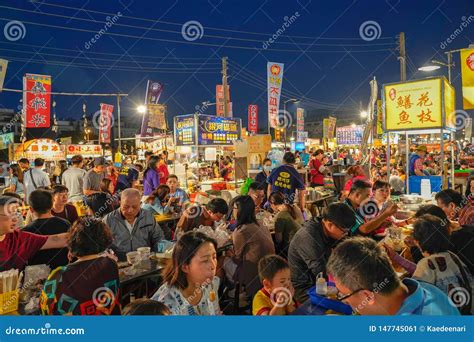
{"x": 342, "y": 297}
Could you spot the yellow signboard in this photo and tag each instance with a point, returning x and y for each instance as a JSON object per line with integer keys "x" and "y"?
{"x": 467, "y": 71}
{"x": 417, "y": 104}
{"x": 449, "y": 105}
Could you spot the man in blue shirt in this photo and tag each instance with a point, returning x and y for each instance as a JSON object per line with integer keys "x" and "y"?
{"x": 367, "y": 282}
{"x": 127, "y": 177}
{"x": 287, "y": 180}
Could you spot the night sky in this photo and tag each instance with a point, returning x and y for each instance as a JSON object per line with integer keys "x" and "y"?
{"x": 327, "y": 63}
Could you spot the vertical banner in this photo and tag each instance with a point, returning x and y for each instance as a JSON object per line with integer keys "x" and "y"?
{"x": 467, "y": 71}
{"x": 468, "y": 129}
{"x": 299, "y": 124}
{"x": 152, "y": 97}
{"x": 157, "y": 116}
{"x": 253, "y": 119}
{"x": 331, "y": 127}
{"x": 105, "y": 123}
{"x": 37, "y": 100}
{"x": 274, "y": 83}
{"x": 220, "y": 101}
{"x": 379, "y": 118}
{"x": 325, "y": 128}
{"x": 3, "y": 72}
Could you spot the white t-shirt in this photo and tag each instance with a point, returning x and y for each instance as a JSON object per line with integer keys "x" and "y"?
{"x": 73, "y": 179}
{"x": 39, "y": 177}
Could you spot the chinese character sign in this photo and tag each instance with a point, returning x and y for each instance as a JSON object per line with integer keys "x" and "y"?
{"x": 413, "y": 105}
{"x": 216, "y": 130}
{"x": 449, "y": 105}
{"x": 185, "y": 130}
{"x": 349, "y": 135}
{"x": 220, "y": 100}
{"x": 157, "y": 116}
{"x": 253, "y": 119}
{"x": 152, "y": 97}
{"x": 275, "y": 79}
{"x": 105, "y": 123}
{"x": 84, "y": 150}
{"x": 37, "y": 100}
{"x": 467, "y": 71}
{"x": 299, "y": 124}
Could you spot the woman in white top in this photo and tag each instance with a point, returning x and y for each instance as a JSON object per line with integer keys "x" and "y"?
{"x": 190, "y": 285}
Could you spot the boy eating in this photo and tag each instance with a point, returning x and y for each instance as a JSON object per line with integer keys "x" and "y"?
{"x": 276, "y": 296}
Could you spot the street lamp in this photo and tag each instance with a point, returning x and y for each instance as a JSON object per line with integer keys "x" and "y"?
{"x": 284, "y": 111}
{"x": 435, "y": 65}
{"x": 364, "y": 114}
{"x": 141, "y": 109}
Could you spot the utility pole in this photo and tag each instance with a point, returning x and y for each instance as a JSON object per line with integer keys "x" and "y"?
{"x": 402, "y": 57}
{"x": 224, "y": 85}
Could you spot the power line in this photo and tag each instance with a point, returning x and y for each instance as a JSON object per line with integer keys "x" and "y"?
{"x": 92, "y": 66}
{"x": 188, "y": 42}
{"x": 205, "y": 27}
{"x": 106, "y": 59}
{"x": 207, "y": 35}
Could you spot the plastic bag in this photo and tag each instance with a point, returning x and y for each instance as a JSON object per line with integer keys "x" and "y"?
{"x": 244, "y": 189}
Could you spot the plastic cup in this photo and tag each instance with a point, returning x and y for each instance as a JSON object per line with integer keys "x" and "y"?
{"x": 133, "y": 257}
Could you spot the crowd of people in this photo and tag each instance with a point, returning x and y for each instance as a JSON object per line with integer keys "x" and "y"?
{"x": 271, "y": 271}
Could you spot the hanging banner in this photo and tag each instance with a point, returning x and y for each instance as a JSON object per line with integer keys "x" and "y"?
{"x": 467, "y": 71}
{"x": 37, "y": 100}
{"x": 47, "y": 149}
{"x": 3, "y": 72}
{"x": 329, "y": 127}
{"x": 379, "y": 118}
{"x": 185, "y": 130}
{"x": 419, "y": 105}
{"x": 157, "y": 116}
{"x": 253, "y": 119}
{"x": 220, "y": 101}
{"x": 215, "y": 130}
{"x": 152, "y": 97}
{"x": 274, "y": 83}
{"x": 299, "y": 124}
{"x": 350, "y": 135}
{"x": 105, "y": 123}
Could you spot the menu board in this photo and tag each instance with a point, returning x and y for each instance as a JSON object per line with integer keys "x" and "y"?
{"x": 184, "y": 130}
{"x": 349, "y": 135}
{"x": 216, "y": 130}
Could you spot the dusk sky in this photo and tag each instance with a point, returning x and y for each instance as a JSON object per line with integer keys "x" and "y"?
{"x": 328, "y": 59}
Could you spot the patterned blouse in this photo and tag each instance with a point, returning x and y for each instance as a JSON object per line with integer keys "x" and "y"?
{"x": 179, "y": 306}
{"x": 89, "y": 287}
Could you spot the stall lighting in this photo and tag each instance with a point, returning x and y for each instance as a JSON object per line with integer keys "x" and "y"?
{"x": 428, "y": 68}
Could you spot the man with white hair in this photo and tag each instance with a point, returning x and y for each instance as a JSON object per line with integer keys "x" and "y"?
{"x": 132, "y": 227}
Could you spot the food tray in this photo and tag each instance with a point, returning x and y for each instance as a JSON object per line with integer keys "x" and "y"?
{"x": 327, "y": 303}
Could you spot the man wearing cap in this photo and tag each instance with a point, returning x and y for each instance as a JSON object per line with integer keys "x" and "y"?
{"x": 416, "y": 161}
{"x": 94, "y": 176}
{"x": 73, "y": 179}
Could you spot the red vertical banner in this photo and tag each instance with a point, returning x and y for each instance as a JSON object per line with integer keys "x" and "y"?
{"x": 105, "y": 123}
{"x": 253, "y": 119}
{"x": 220, "y": 100}
{"x": 37, "y": 100}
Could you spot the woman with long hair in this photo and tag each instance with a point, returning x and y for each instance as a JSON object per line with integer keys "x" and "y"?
{"x": 159, "y": 201}
{"x": 190, "y": 284}
{"x": 151, "y": 177}
{"x": 251, "y": 243}
{"x": 16, "y": 180}
{"x": 288, "y": 220}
